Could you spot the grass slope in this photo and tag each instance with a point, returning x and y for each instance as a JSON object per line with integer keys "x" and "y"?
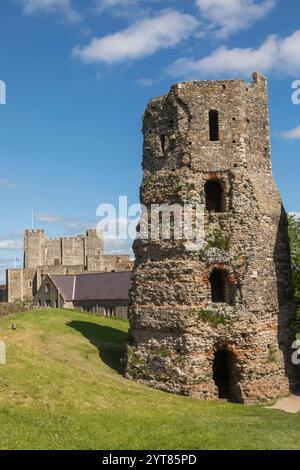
{"x": 62, "y": 389}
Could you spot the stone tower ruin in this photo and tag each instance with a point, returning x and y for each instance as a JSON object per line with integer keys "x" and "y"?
{"x": 213, "y": 323}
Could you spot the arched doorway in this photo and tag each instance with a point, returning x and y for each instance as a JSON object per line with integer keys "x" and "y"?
{"x": 218, "y": 285}
{"x": 225, "y": 375}
{"x": 214, "y": 195}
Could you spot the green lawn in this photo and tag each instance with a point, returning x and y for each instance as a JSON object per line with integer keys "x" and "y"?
{"x": 62, "y": 389}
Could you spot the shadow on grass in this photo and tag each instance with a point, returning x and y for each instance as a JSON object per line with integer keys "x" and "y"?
{"x": 110, "y": 342}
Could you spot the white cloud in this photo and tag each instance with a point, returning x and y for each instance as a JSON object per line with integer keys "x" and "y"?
{"x": 230, "y": 16}
{"x": 102, "y": 5}
{"x": 292, "y": 134}
{"x": 146, "y": 82}
{"x": 122, "y": 7}
{"x": 71, "y": 224}
{"x": 274, "y": 54}
{"x": 7, "y": 184}
{"x": 289, "y": 55}
{"x": 143, "y": 38}
{"x": 229, "y": 61}
{"x": 77, "y": 224}
{"x": 56, "y": 7}
{"x": 47, "y": 218}
{"x": 11, "y": 244}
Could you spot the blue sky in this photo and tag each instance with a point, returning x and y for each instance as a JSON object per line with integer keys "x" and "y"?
{"x": 78, "y": 77}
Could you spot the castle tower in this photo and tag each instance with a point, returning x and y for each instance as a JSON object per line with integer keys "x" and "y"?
{"x": 34, "y": 249}
{"x": 213, "y": 323}
{"x": 94, "y": 249}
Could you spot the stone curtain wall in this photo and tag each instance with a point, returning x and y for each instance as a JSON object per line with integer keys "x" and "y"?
{"x": 176, "y": 330}
{"x": 8, "y": 309}
{"x": 20, "y": 284}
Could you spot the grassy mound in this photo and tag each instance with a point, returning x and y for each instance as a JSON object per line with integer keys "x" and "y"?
{"x": 62, "y": 389}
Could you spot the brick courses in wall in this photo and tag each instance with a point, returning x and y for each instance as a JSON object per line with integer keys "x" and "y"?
{"x": 237, "y": 347}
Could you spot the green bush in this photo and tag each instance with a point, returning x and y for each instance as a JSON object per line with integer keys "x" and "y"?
{"x": 211, "y": 317}
{"x": 162, "y": 352}
{"x": 294, "y": 237}
{"x": 271, "y": 355}
{"x": 218, "y": 239}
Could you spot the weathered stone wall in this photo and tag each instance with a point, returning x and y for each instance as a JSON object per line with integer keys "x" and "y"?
{"x": 176, "y": 329}
{"x": 111, "y": 308}
{"x": 12, "y": 308}
{"x": 21, "y": 283}
{"x": 73, "y": 251}
{"x": 94, "y": 251}
{"x": 53, "y": 252}
{"x": 116, "y": 263}
{"x": 84, "y": 250}
{"x": 48, "y": 295}
{"x": 62, "y": 269}
{"x": 34, "y": 249}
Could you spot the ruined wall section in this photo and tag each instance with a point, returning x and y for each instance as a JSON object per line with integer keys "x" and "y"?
{"x": 172, "y": 347}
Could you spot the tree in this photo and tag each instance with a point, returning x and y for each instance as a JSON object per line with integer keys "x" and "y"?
{"x": 294, "y": 236}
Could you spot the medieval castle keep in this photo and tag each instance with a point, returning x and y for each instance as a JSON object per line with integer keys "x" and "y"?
{"x": 73, "y": 255}
{"x": 214, "y": 323}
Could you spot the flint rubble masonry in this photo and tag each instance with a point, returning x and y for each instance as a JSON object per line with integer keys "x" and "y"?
{"x": 242, "y": 276}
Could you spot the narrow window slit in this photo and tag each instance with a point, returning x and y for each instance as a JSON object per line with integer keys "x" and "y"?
{"x": 163, "y": 143}
{"x": 214, "y": 125}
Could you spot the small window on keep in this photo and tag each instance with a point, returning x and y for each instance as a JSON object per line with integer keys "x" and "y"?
{"x": 214, "y": 125}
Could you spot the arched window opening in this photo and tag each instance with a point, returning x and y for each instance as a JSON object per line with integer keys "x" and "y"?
{"x": 214, "y": 125}
{"x": 214, "y": 196}
{"x": 226, "y": 376}
{"x": 218, "y": 280}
